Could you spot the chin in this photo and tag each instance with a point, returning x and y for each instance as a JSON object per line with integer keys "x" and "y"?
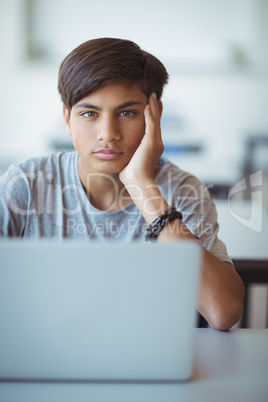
{"x": 109, "y": 168}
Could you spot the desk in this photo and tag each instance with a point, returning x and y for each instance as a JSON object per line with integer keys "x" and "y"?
{"x": 229, "y": 366}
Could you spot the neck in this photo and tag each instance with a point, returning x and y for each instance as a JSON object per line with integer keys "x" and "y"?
{"x": 105, "y": 191}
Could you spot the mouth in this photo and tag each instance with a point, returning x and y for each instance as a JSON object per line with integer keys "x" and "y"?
{"x": 108, "y": 154}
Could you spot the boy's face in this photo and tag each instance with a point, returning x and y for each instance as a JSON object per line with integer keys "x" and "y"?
{"x": 107, "y": 127}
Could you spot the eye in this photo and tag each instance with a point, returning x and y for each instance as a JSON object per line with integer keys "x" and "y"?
{"x": 127, "y": 113}
{"x": 90, "y": 114}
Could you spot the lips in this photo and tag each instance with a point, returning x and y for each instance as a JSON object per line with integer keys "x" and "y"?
{"x": 108, "y": 153}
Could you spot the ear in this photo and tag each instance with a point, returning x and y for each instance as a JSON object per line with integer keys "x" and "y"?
{"x": 66, "y": 117}
{"x": 160, "y": 107}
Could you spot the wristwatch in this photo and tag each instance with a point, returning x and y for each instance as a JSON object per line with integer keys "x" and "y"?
{"x": 157, "y": 224}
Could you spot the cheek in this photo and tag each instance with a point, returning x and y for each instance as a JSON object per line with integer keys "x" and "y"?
{"x": 81, "y": 133}
{"x": 137, "y": 134}
{"x": 81, "y": 140}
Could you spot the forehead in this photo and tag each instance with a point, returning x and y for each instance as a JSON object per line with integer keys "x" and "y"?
{"x": 114, "y": 95}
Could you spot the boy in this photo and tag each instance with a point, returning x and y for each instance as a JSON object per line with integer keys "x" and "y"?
{"x": 116, "y": 185}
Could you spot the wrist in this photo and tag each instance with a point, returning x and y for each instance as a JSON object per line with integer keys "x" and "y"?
{"x": 148, "y": 198}
{"x": 139, "y": 177}
{"x": 166, "y": 217}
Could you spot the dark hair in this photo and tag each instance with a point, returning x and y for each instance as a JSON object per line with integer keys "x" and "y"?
{"x": 103, "y": 61}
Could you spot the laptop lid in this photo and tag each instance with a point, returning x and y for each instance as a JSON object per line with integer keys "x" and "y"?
{"x": 105, "y": 311}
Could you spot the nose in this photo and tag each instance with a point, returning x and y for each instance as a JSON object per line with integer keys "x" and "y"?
{"x": 108, "y": 130}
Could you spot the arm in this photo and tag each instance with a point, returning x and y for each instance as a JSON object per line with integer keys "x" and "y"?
{"x": 221, "y": 289}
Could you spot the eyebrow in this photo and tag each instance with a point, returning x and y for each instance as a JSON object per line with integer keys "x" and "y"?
{"x": 123, "y": 105}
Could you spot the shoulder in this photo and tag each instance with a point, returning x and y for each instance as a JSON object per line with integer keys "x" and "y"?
{"x": 47, "y": 161}
{"x": 187, "y": 192}
{"x": 32, "y": 168}
{"x": 176, "y": 177}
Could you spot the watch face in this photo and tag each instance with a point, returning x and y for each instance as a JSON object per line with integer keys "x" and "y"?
{"x": 155, "y": 221}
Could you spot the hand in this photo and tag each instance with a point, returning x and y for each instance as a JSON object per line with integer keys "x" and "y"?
{"x": 144, "y": 161}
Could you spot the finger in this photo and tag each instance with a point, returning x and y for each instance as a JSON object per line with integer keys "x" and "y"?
{"x": 152, "y": 123}
{"x": 154, "y": 104}
{"x": 151, "y": 111}
{"x": 149, "y": 120}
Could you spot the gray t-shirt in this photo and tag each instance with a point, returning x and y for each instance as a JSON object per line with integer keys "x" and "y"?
{"x": 43, "y": 197}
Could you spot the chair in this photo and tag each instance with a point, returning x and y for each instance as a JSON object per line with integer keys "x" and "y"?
{"x": 251, "y": 272}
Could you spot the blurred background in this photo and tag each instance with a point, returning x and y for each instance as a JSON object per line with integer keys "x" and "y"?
{"x": 215, "y": 120}
{"x": 216, "y": 103}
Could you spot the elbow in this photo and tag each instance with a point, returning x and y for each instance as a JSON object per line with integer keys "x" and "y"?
{"x": 226, "y": 314}
{"x": 224, "y": 319}
{"x": 224, "y": 310}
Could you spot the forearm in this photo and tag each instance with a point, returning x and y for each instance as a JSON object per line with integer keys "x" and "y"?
{"x": 147, "y": 197}
{"x": 221, "y": 289}
{"x": 221, "y": 293}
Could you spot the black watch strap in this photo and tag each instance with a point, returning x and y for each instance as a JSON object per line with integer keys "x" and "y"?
{"x": 155, "y": 227}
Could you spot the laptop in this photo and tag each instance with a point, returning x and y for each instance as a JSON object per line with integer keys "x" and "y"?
{"x": 85, "y": 311}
